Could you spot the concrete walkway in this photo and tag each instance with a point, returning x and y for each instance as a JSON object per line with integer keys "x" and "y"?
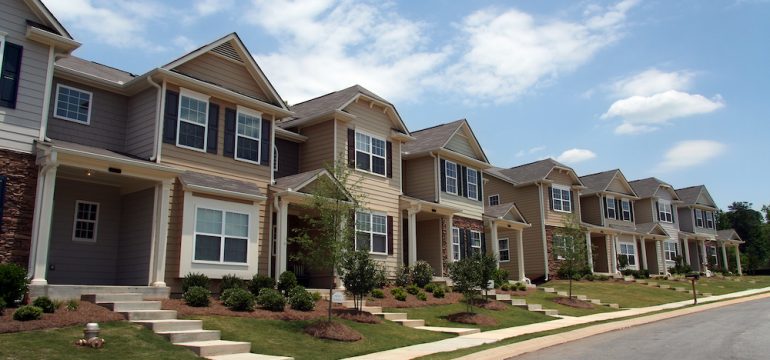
{"x": 487, "y": 337}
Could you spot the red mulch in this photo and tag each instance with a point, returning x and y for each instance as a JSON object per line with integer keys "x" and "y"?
{"x": 412, "y": 301}
{"x": 357, "y": 316}
{"x": 216, "y": 308}
{"x": 86, "y": 313}
{"x": 517, "y": 293}
{"x": 491, "y": 305}
{"x": 575, "y": 303}
{"x": 472, "y": 319}
{"x": 332, "y": 331}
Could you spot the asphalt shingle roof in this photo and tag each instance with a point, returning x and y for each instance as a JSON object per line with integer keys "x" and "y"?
{"x": 645, "y": 188}
{"x": 431, "y": 138}
{"x": 597, "y": 182}
{"x": 534, "y": 171}
{"x": 690, "y": 194}
{"x": 294, "y": 181}
{"x": 95, "y": 69}
{"x": 326, "y": 103}
{"x": 218, "y": 182}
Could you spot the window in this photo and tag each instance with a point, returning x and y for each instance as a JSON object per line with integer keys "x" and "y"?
{"x": 371, "y": 232}
{"x": 73, "y": 104}
{"x": 560, "y": 245}
{"x": 475, "y": 242}
{"x": 628, "y": 251}
{"x": 669, "y": 250}
{"x": 612, "y": 212}
{"x": 562, "y": 199}
{"x": 193, "y": 120}
{"x": 698, "y": 217}
{"x": 625, "y": 208}
{"x": 473, "y": 184}
{"x": 221, "y": 236}
{"x": 370, "y": 154}
{"x": 709, "y": 219}
{"x": 665, "y": 211}
{"x": 275, "y": 158}
{"x": 451, "y": 177}
{"x": 712, "y": 255}
{"x": 505, "y": 252}
{"x": 494, "y": 200}
{"x": 455, "y": 244}
{"x": 86, "y": 219}
{"x": 247, "y": 135}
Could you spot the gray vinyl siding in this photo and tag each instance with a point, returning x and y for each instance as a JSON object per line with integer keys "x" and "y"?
{"x": 461, "y": 144}
{"x": 20, "y": 127}
{"x": 420, "y": 178}
{"x": 591, "y": 209}
{"x": 685, "y": 219}
{"x": 133, "y": 263}
{"x": 288, "y": 158}
{"x": 140, "y": 124}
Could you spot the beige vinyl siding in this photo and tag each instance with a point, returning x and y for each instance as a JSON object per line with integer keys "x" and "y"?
{"x": 141, "y": 123}
{"x": 556, "y": 218}
{"x": 225, "y": 73}
{"x": 461, "y": 144}
{"x": 107, "y": 128}
{"x": 318, "y": 150}
{"x": 471, "y": 209}
{"x": 511, "y": 266}
{"x": 644, "y": 211}
{"x": 495, "y": 186}
{"x": 686, "y": 219}
{"x": 429, "y": 246}
{"x": 420, "y": 178}
{"x": 174, "y": 241}
{"x": 20, "y": 127}
{"x": 617, "y": 186}
{"x": 591, "y": 209}
{"x": 134, "y": 248}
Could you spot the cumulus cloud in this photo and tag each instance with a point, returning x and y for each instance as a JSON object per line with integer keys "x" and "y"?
{"x": 575, "y": 155}
{"x": 646, "y": 113}
{"x": 530, "y": 151}
{"x": 651, "y": 82}
{"x": 690, "y": 153}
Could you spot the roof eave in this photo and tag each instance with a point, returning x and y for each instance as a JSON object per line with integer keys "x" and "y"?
{"x": 62, "y": 44}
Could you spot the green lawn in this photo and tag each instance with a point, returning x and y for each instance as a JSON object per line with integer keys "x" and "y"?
{"x": 278, "y": 337}
{"x": 545, "y": 299}
{"x": 434, "y": 316}
{"x": 123, "y": 341}
{"x": 722, "y": 286}
{"x": 627, "y": 295}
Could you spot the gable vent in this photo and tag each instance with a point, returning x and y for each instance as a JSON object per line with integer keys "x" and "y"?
{"x": 227, "y": 50}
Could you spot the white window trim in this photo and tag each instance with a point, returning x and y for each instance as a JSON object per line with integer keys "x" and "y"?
{"x": 475, "y": 185}
{"x": 553, "y": 244}
{"x": 371, "y": 232}
{"x": 371, "y": 153}
{"x": 624, "y": 211}
{"x": 456, "y": 255}
{"x": 221, "y": 236}
{"x": 713, "y": 254}
{"x": 675, "y": 251}
{"x": 471, "y": 241}
{"x": 636, "y": 254}
{"x": 507, "y": 248}
{"x": 56, "y": 103}
{"x": 200, "y": 97}
{"x": 561, "y": 200}
{"x": 489, "y": 200}
{"x": 665, "y": 208}
{"x": 702, "y": 218}
{"x": 456, "y": 177}
{"x": 95, "y": 222}
{"x": 252, "y": 113}
{"x": 614, "y": 208}
{"x": 2, "y": 47}
{"x": 706, "y": 220}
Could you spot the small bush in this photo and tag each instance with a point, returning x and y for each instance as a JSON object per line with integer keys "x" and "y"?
{"x": 422, "y": 273}
{"x": 378, "y": 294}
{"x": 644, "y": 274}
{"x": 13, "y": 283}
{"x": 501, "y": 277}
{"x": 403, "y": 276}
{"x": 73, "y": 305}
{"x": 226, "y": 294}
{"x": 381, "y": 277}
{"x": 231, "y": 282}
{"x": 28, "y": 312}
{"x": 589, "y": 277}
{"x": 399, "y": 294}
{"x": 577, "y": 273}
{"x": 413, "y": 289}
{"x": 286, "y": 282}
{"x": 239, "y": 300}
{"x": 430, "y": 287}
{"x": 197, "y": 296}
{"x": 438, "y": 292}
{"x": 505, "y": 287}
{"x": 271, "y": 299}
{"x": 45, "y": 304}
{"x": 2, "y": 306}
{"x": 601, "y": 277}
{"x": 194, "y": 279}
{"x": 316, "y": 296}
{"x": 301, "y": 299}
{"x": 259, "y": 282}
{"x": 421, "y": 296}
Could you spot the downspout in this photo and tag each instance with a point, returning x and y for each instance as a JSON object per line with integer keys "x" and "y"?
{"x": 47, "y": 95}
{"x": 158, "y": 100}
{"x": 542, "y": 227}
{"x": 436, "y": 178}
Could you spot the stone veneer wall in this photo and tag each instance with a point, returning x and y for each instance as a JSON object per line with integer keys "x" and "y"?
{"x": 18, "y": 206}
{"x": 553, "y": 263}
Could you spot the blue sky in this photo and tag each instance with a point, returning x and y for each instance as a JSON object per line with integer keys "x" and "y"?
{"x": 673, "y": 89}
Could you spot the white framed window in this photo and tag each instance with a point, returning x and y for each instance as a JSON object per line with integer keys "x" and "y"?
{"x": 370, "y": 153}
{"x": 275, "y": 158}
{"x": 192, "y": 127}
{"x": 473, "y": 184}
{"x": 73, "y": 104}
{"x": 625, "y": 210}
{"x": 669, "y": 250}
{"x": 248, "y": 135}
{"x": 372, "y": 232}
{"x": 221, "y": 236}
{"x": 628, "y": 251}
{"x": 505, "y": 251}
{"x": 712, "y": 252}
{"x": 455, "y": 244}
{"x": 560, "y": 245}
{"x": 86, "y": 221}
{"x": 494, "y": 200}
{"x": 709, "y": 219}
{"x": 562, "y": 198}
{"x": 475, "y": 242}
{"x": 612, "y": 211}
{"x": 699, "y": 218}
{"x": 450, "y": 172}
{"x": 665, "y": 212}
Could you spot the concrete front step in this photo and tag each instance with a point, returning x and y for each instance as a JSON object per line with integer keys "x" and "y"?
{"x": 372, "y": 309}
{"x": 595, "y": 301}
{"x": 392, "y": 316}
{"x": 499, "y": 297}
{"x": 641, "y": 281}
{"x": 706, "y": 294}
{"x": 449, "y": 330}
{"x": 410, "y": 322}
{"x": 158, "y": 326}
{"x": 549, "y": 312}
{"x": 664, "y": 286}
{"x": 652, "y": 283}
{"x": 248, "y": 356}
{"x": 562, "y": 293}
{"x": 518, "y": 302}
{"x": 134, "y": 315}
{"x": 548, "y": 290}
{"x": 534, "y": 307}
{"x": 581, "y": 297}
{"x": 190, "y": 335}
{"x": 120, "y": 306}
{"x": 680, "y": 289}
{"x": 614, "y": 306}
{"x": 216, "y": 347}
{"x": 103, "y": 298}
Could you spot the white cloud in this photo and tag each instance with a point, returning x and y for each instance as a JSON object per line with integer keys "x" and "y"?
{"x": 209, "y": 7}
{"x": 647, "y": 113}
{"x": 575, "y": 155}
{"x": 650, "y": 82}
{"x": 185, "y": 43}
{"x": 507, "y": 53}
{"x": 530, "y": 151}
{"x": 690, "y": 153}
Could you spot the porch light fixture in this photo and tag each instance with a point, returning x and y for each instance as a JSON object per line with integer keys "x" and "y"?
{"x": 89, "y": 172}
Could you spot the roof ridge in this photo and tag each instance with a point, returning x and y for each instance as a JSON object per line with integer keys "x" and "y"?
{"x": 529, "y": 163}
{"x": 439, "y": 125}
{"x": 321, "y": 96}
{"x": 105, "y": 65}
{"x": 600, "y": 172}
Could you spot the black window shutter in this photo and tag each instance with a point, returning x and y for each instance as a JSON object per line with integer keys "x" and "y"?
{"x": 9, "y": 77}
{"x": 230, "y": 115}
{"x": 468, "y": 249}
{"x": 462, "y": 175}
{"x": 479, "y": 192}
{"x": 695, "y": 219}
{"x": 572, "y": 201}
{"x": 631, "y": 209}
{"x": 351, "y": 148}
{"x": 265, "y": 143}
{"x": 3, "y": 181}
{"x": 213, "y": 129}
{"x": 672, "y": 214}
{"x": 442, "y": 166}
{"x": 657, "y": 210}
{"x": 170, "y": 117}
{"x": 390, "y": 235}
{"x": 550, "y": 197}
{"x": 483, "y": 243}
{"x": 618, "y": 210}
{"x": 604, "y": 205}
{"x": 389, "y": 155}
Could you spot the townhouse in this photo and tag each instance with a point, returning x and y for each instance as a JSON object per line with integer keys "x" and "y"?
{"x": 697, "y": 226}
{"x": 657, "y": 208}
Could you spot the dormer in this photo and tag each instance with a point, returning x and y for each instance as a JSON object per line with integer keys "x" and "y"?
{"x": 657, "y": 202}
{"x": 698, "y": 210}
{"x": 608, "y": 199}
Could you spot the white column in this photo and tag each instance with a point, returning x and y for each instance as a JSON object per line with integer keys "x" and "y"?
{"x": 589, "y": 251}
{"x": 643, "y": 251}
{"x": 609, "y": 250}
{"x": 520, "y": 253}
{"x": 412, "y": 241}
{"x": 162, "y": 193}
{"x": 661, "y": 258}
{"x": 615, "y": 251}
{"x": 281, "y": 239}
{"x": 725, "y": 265}
{"x": 704, "y": 257}
{"x": 41, "y": 222}
{"x": 738, "y": 259}
{"x": 686, "y": 252}
{"x": 495, "y": 243}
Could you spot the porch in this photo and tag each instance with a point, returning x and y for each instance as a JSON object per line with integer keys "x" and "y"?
{"x": 428, "y": 227}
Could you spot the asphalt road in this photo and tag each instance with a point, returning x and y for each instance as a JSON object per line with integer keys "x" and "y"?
{"x": 740, "y": 331}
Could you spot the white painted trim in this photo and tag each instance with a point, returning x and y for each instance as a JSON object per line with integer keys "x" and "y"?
{"x": 46, "y": 92}
{"x": 371, "y": 231}
{"x": 614, "y": 208}
{"x": 623, "y": 211}
{"x": 480, "y": 240}
{"x": 90, "y": 104}
{"x": 636, "y": 252}
{"x": 553, "y": 198}
{"x": 452, "y": 244}
{"x": 95, "y": 222}
{"x": 195, "y": 96}
{"x": 225, "y": 193}
{"x": 478, "y": 180}
{"x": 456, "y": 177}
{"x": 254, "y": 114}
{"x": 370, "y": 152}
{"x": 507, "y": 248}
{"x": 489, "y": 199}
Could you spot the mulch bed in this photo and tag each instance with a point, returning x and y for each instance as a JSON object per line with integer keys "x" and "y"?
{"x": 516, "y": 292}
{"x": 491, "y": 305}
{"x": 411, "y": 301}
{"x": 332, "y": 331}
{"x": 472, "y": 319}
{"x": 357, "y": 316}
{"x": 216, "y": 308}
{"x": 575, "y": 303}
{"x": 86, "y": 313}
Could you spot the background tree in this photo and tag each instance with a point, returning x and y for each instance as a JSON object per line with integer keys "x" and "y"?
{"x": 750, "y": 226}
{"x": 574, "y": 252}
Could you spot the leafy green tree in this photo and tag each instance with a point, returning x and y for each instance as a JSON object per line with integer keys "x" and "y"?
{"x": 467, "y": 279}
{"x": 359, "y": 274}
{"x": 574, "y": 252}
{"x": 487, "y": 270}
{"x": 750, "y": 226}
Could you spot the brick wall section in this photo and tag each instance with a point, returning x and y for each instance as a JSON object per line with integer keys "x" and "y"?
{"x": 19, "y": 206}
{"x": 553, "y": 263}
{"x": 466, "y": 223}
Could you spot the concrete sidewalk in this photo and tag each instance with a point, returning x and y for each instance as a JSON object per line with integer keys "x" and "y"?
{"x": 487, "y": 337}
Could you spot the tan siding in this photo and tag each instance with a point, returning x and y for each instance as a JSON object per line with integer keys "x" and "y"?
{"x": 591, "y": 210}
{"x": 174, "y": 241}
{"x": 140, "y": 124}
{"x": 495, "y": 186}
{"x": 420, "y": 178}
{"x": 617, "y": 186}
{"x": 511, "y": 266}
{"x": 214, "y": 69}
{"x": 429, "y": 243}
{"x": 461, "y": 144}
{"x": 318, "y": 150}
{"x": 644, "y": 211}
{"x": 553, "y": 217}
{"x": 560, "y": 178}
{"x": 686, "y": 219}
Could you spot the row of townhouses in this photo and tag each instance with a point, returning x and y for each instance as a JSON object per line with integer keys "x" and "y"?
{"x": 113, "y": 178}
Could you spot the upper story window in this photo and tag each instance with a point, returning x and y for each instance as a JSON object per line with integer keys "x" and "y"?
{"x": 86, "y": 220}
{"x": 372, "y": 232}
{"x": 473, "y": 184}
{"x": 10, "y": 69}
{"x": 669, "y": 250}
{"x": 562, "y": 198}
{"x": 248, "y": 135}
{"x": 494, "y": 200}
{"x": 709, "y": 220}
{"x": 221, "y": 236}
{"x": 73, "y": 104}
{"x": 193, "y": 120}
{"x": 625, "y": 209}
{"x": 455, "y": 244}
{"x": 370, "y": 153}
{"x": 665, "y": 213}
{"x": 699, "y": 218}
{"x": 612, "y": 211}
{"x": 451, "y": 177}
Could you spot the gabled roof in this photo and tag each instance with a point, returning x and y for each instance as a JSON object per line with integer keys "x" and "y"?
{"x": 296, "y": 182}
{"x": 95, "y": 69}
{"x": 651, "y": 228}
{"x": 536, "y": 171}
{"x": 690, "y": 195}
{"x": 437, "y": 137}
{"x": 501, "y": 210}
{"x": 729, "y": 235}
{"x": 648, "y": 187}
{"x": 44, "y": 14}
{"x": 599, "y": 182}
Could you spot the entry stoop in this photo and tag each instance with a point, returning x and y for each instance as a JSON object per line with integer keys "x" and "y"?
{"x": 216, "y": 347}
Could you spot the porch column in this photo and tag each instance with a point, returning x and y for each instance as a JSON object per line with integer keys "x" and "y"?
{"x": 412, "y": 240}
{"x": 738, "y": 259}
{"x": 520, "y": 253}
{"x": 725, "y": 266}
{"x": 281, "y": 239}
{"x": 589, "y": 251}
{"x": 644, "y": 253}
{"x": 704, "y": 257}
{"x": 615, "y": 251}
{"x": 662, "y": 269}
{"x": 162, "y": 193}
{"x": 41, "y": 221}
{"x": 495, "y": 243}
{"x": 609, "y": 249}
{"x": 448, "y": 241}
{"x": 686, "y": 252}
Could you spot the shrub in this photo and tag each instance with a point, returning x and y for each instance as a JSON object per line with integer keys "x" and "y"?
{"x": 430, "y": 287}
{"x": 501, "y": 277}
{"x": 380, "y": 277}
{"x": 438, "y": 292}
{"x": 226, "y": 294}
{"x": 316, "y": 296}
{"x": 577, "y": 272}
{"x": 197, "y": 296}
{"x": 301, "y": 299}
{"x": 505, "y": 287}
{"x": 399, "y": 294}
{"x": 421, "y": 296}
{"x": 259, "y": 282}
{"x": 644, "y": 274}
{"x": 2, "y": 306}
{"x": 378, "y": 294}
{"x": 601, "y": 277}
{"x": 45, "y": 304}
{"x": 271, "y": 299}
{"x": 239, "y": 300}
{"x": 13, "y": 283}
{"x": 422, "y": 273}
{"x": 403, "y": 276}
{"x": 519, "y": 286}
{"x": 28, "y": 312}
{"x": 72, "y": 305}
{"x": 230, "y": 282}
{"x": 589, "y": 277}
{"x": 194, "y": 279}
{"x": 286, "y": 282}
{"x": 358, "y": 272}
{"x": 412, "y": 289}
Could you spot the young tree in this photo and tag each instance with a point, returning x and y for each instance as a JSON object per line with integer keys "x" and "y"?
{"x": 466, "y": 278}
{"x": 573, "y": 251}
{"x": 487, "y": 270}
{"x": 359, "y": 274}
